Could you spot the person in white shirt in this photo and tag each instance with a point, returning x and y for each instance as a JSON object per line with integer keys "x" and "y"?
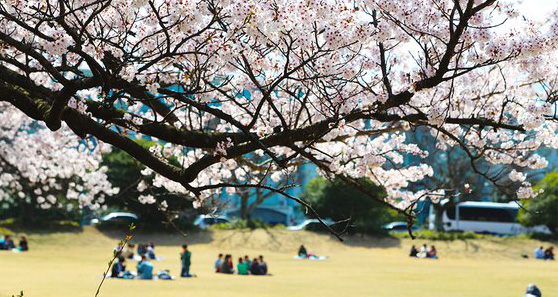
{"x": 539, "y": 253}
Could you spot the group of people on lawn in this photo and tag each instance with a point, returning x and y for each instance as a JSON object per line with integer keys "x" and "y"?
{"x": 7, "y": 243}
{"x": 224, "y": 264}
{"x": 144, "y": 266}
{"x": 245, "y": 266}
{"x": 143, "y": 249}
{"x": 424, "y": 252}
{"x": 543, "y": 254}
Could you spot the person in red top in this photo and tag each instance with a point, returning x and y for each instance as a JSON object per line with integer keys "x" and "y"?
{"x": 227, "y": 265}
{"x": 230, "y": 261}
{"x": 433, "y": 253}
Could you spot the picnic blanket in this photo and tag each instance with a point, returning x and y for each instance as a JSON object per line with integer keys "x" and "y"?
{"x": 311, "y": 257}
{"x": 157, "y": 258}
{"x": 133, "y": 275}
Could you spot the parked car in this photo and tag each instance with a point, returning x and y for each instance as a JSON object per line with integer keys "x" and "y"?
{"x": 204, "y": 221}
{"x": 116, "y": 219}
{"x": 313, "y": 224}
{"x": 398, "y": 226}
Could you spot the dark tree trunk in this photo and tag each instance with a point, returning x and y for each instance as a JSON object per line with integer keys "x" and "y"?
{"x": 26, "y": 214}
{"x": 438, "y": 212}
{"x": 243, "y": 207}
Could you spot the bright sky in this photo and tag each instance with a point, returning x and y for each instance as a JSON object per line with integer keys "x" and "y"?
{"x": 537, "y": 10}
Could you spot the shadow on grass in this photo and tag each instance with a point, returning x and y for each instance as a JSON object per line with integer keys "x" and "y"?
{"x": 10, "y": 227}
{"x": 159, "y": 236}
{"x": 371, "y": 241}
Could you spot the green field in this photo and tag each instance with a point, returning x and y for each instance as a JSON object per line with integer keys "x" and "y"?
{"x": 71, "y": 264}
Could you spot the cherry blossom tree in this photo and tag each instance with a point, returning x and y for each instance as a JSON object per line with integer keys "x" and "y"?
{"x": 48, "y": 170}
{"x": 333, "y": 83}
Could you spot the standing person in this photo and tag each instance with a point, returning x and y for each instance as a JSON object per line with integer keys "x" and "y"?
{"x": 145, "y": 268}
{"x": 242, "y": 267}
{"x": 539, "y": 253}
{"x": 263, "y": 265}
{"x": 218, "y": 263}
{"x": 185, "y": 256}
{"x": 23, "y": 246}
{"x": 414, "y": 251}
{"x": 2, "y": 243}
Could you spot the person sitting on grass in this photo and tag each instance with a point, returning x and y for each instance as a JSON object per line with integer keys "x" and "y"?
{"x": 185, "y": 256}
{"x": 414, "y": 252}
{"x": 423, "y": 251}
{"x": 263, "y": 265}
{"x": 145, "y": 268}
{"x": 302, "y": 252}
{"x": 533, "y": 291}
{"x": 151, "y": 251}
{"x": 247, "y": 261}
{"x": 118, "y": 249}
{"x": 549, "y": 253}
{"x": 118, "y": 268}
{"x": 433, "y": 253}
{"x": 9, "y": 244}
{"x": 255, "y": 268}
{"x": 242, "y": 267}
{"x": 140, "y": 262}
{"x": 128, "y": 252}
{"x": 23, "y": 246}
{"x": 141, "y": 249}
{"x": 226, "y": 265}
{"x": 231, "y": 264}
{"x": 218, "y": 263}
{"x": 539, "y": 253}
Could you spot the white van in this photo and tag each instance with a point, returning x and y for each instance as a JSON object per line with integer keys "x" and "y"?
{"x": 486, "y": 217}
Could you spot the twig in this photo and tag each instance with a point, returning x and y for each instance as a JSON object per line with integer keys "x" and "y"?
{"x": 116, "y": 253}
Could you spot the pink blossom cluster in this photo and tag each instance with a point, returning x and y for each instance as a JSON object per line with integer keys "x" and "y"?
{"x": 353, "y": 77}
{"x": 51, "y": 170}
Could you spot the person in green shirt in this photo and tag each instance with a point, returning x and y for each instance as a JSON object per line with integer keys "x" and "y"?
{"x": 242, "y": 267}
{"x": 185, "y": 257}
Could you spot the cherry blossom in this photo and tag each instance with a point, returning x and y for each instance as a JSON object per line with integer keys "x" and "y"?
{"x": 338, "y": 84}
{"x": 54, "y": 169}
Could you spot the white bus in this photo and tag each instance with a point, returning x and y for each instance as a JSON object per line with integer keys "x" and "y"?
{"x": 485, "y": 217}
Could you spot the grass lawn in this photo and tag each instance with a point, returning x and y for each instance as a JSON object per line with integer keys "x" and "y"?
{"x": 71, "y": 264}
